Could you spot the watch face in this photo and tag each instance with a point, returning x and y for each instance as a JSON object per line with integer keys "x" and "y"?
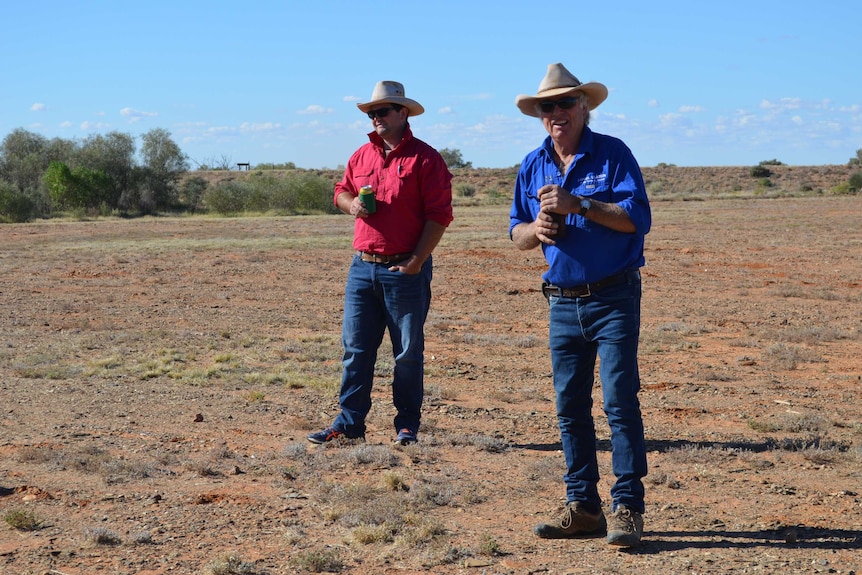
{"x": 586, "y": 204}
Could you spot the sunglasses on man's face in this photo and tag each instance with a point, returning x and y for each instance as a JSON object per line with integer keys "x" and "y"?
{"x": 548, "y": 106}
{"x": 380, "y": 112}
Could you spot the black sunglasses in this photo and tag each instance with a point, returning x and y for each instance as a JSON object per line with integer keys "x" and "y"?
{"x": 564, "y": 103}
{"x": 381, "y": 112}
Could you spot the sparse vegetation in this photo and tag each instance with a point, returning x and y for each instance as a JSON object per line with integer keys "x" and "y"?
{"x": 230, "y": 564}
{"x": 102, "y": 536}
{"x": 318, "y": 561}
{"x": 22, "y": 520}
{"x": 119, "y": 333}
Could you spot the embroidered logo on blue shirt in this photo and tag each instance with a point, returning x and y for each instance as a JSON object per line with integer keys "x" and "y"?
{"x": 592, "y": 181}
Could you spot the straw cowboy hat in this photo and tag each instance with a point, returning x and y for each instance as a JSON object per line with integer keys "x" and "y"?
{"x": 559, "y": 82}
{"x": 389, "y": 92}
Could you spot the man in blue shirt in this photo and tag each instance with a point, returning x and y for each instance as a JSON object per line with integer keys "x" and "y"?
{"x": 581, "y": 197}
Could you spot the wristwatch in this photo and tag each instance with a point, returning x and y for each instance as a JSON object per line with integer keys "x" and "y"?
{"x": 586, "y": 204}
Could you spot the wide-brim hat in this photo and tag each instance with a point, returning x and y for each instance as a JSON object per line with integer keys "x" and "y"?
{"x": 558, "y": 82}
{"x": 389, "y": 92}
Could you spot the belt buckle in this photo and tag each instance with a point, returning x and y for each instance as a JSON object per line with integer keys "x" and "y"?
{"x": 586, "y": 293}
{"x": 549, "y": 290}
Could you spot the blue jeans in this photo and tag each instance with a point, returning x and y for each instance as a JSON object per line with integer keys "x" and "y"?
{"x": 607, "y": 325}
{"x": 376, "y": 299}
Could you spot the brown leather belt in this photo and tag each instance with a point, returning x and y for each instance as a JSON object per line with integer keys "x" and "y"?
{"x": 586, "y": 290}
{"x": 382, "y": 259}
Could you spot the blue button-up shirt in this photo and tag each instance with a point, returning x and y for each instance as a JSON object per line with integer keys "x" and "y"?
{"x": 604, "y": 169}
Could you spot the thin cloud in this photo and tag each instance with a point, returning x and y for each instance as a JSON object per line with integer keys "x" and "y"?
{"x": 259, "y": 127}
{"x": 690, "y": 109}
{"x": 136, "y": 115}
{"x": 315, "y": 109}
{"x": 38, "y": 107}
{"x": 653, "y": 103}
{"x": 90, "y": 126}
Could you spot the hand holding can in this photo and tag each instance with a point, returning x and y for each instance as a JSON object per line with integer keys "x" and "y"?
{"x": 366, "y": 197}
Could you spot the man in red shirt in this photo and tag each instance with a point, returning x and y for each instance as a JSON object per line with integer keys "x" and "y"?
{"x": 389, "y": 280}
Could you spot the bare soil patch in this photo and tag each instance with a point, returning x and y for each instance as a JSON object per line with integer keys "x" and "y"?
{"x": 159, "y": 375}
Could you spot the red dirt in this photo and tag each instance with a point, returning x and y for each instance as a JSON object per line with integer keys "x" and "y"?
{"x": 159, "y": 377}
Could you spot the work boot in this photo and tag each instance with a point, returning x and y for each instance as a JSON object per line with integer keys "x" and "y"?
{"x": 574, "y": 521}
{"x": 626, "y": 527}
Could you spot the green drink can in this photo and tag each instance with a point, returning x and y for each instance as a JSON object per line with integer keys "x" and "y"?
{"x": 366, "y": 196}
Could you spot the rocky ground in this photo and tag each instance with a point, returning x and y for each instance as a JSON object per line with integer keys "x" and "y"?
{"x": 158, "y": 377}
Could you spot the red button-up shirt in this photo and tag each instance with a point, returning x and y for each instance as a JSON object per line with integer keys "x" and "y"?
{"x": 412, "y": 185}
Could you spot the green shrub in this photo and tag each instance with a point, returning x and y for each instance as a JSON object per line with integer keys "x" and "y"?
{"x": 465, "y": 190}
{"x": 855, "y": 182}
{"x": 302, "y": 193}
{"x": 227, "y": 197}
{"x": 192, "y": 192}
{"x": 15, "y": 206}
{"x": 294, "y": 193}
{"x": 759, "y": 171}
{"x": 22, "y": 520}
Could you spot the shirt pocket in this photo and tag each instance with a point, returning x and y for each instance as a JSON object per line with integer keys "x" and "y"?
{"x": 406, "y": 172}
{"x": 365, "y": 178}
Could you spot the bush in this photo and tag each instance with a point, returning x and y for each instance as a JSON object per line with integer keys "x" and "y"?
{"x": 295, "y": 193}
{"x": 227, "y": 197}
{"x": 314, "y": 194}
{"x": 465, "y": 190}
{"x": 192, "y": 192}
{"x": 759, "y": 171}
{"x": 855, "y": 182}
{"x": 15, "y": 206}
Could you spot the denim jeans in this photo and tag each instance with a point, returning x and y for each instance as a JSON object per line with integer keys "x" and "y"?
{"x": 377, "y": 299}
{"x": 605, "y": 324}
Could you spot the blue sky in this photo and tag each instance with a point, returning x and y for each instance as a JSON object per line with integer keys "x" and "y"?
{"x": 691, "y": 83}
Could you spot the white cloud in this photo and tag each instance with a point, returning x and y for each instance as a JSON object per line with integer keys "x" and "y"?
{"x": 653, "y": 103}
{"x": 445, "y": 110}
{"x": 66, "y": 124}
{"x": 315, "y": 109}
{"x": 136, "y": 115}
{"x": 254, "y": 127}
{"x": 90, "y": 126}
{"x": 781, "y": 104}
{"x": 38, "y": 107}
{"x": 689, "y": 109}
{"x": 351, "y": 99}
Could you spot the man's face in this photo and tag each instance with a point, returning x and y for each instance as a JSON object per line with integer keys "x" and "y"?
{"x": 386, "y": 119}
{"x": 563, "y": 118}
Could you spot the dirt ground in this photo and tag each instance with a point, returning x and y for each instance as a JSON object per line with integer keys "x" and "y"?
{"x": 158, "y": 377}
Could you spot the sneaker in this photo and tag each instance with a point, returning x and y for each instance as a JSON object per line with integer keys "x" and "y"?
{"x": 626, "y": 527}
{"x": 406, "y": 437}
{"x": 575, "y": 521}
{"x": 324, "y": 436}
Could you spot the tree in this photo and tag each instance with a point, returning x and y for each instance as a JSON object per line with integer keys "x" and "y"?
{"x": 81, "y": 187}
{"x": 453, "y": 158}
{"x": 163, "y": 164}
{"x": 857, "y": 160}
{"x": 22, "y": 159}
{"x": 114, "y": 155}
